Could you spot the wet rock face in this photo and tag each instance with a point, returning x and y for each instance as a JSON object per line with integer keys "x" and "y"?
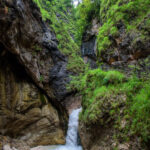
{"x": 88, "y": 48}
{"x": 25, "y": 112}
{"x": 24, "y": 34}
{"x": 59, "y": 77}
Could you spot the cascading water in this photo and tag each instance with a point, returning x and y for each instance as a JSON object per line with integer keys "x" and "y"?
{"x": 72, "y": 135}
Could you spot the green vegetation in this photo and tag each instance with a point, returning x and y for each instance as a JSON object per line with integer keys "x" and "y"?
{"x": 84, "y": 14}
{"x": 129, "y": 13}
{"x": 37, "y": 48}
{"x": 109, "y": 95}
{"x": 41, "y": 78}
{"x": 140, "y": 112}
{"x": 110, "y": 14}
{"x": 43, "y": 99}
{"x": 60, "y": 14}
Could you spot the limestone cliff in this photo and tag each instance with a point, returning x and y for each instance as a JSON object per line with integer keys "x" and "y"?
{"x": 25, "y": 111}
{"x": 32, "y": 72}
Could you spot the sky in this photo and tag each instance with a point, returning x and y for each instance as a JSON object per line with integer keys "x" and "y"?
{"x": 76, "y": 2}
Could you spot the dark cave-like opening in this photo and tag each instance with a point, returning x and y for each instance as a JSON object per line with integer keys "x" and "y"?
{"x": 9, "y": 60}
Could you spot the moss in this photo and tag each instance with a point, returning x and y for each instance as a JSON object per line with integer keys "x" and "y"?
{"x": 85, "y": 12}
{"x": 114, "y": 31}
{"x": 129, "y": 13}
{"x": 76, "y": 64}
{"x": 110, "y": 96}
{"x": 37, "y": 48}
{"x": 140, "y": 112}
{"x": 43, "y": 99}
{"x": 41, "y": 78}
{"x": 113, "y": 77}
{"x": 63, "y": 23}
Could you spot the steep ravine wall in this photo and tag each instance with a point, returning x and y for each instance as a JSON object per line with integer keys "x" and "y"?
{"x": 33, "y": 43}
{"x": 130, "y": 54}
{"x": 32, "y": 72}
{"x": 25, "y": 111}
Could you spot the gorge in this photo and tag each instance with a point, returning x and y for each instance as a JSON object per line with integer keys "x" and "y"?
{"x": 56, "y": 58}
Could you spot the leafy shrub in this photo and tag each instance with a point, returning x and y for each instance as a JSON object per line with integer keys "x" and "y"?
{"x": 104, "y": 93}
{"x": 87, "y": 10}
{"x": 140, "y": 113}
{"x": 130, "y": 13}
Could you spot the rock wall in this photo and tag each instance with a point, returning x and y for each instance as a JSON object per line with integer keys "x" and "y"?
{"x": 34, "y": 45}
{"x": 88, "y": 47}
{"x": 25, "y": 111}
{"x": 129, "y": 53}
{"x": 32, "y": 72}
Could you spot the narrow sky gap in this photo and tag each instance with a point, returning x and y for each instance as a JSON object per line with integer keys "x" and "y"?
{"x": 76, "y": 2}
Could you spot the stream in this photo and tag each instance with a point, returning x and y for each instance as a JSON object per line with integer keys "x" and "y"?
{"x": 72, "y": 135}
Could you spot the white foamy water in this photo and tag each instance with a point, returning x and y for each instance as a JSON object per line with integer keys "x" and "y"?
{"x": 72, "y": 135}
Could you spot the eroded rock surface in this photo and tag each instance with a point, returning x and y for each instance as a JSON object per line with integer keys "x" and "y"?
{"x": 25, "y": 111}
{"x": 31, "y": 68}
{"x": 24, "y": 34}
{"x": 88, "y": 48}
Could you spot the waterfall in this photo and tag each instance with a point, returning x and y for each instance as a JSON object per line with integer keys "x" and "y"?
{"x": 72, "y": 135}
